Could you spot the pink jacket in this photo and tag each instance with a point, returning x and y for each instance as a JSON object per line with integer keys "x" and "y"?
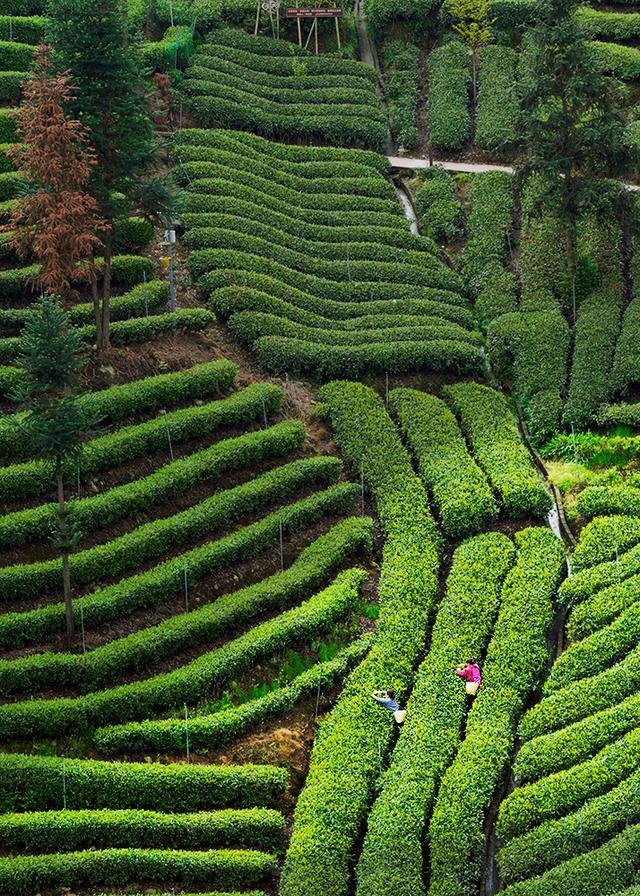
{"x": 470, "y": 673}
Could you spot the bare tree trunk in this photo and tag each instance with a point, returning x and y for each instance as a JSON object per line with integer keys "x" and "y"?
{"x": 66, "y": 573}
{"x": 103, "y": 327}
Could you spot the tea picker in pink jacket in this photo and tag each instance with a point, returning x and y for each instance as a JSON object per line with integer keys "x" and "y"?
{"x": 470, "y": 671}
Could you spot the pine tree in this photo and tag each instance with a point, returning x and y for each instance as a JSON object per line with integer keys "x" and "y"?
{"x": 57, "y": 221}
{"x": 573, "y": 128}
{"x": 51, "y": 356}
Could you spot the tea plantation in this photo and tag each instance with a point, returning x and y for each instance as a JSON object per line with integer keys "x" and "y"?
{"x": 319, "y": 377}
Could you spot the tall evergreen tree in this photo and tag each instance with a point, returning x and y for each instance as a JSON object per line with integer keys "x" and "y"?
{"x": 51, "y": 356}
{"x": 573, "y": 129}
{"x": 91, "y": 40}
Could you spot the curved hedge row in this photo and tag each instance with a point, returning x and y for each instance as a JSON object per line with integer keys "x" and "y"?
{"x": 516, "y": 657}
{"x": 144, "y": 649}
{"x": 617, "y": 60}
{"x": 556, "y": 841}
{"x": 459, "y": 488}
{"x": 603, "y": 500}
{"x": 576, "y": 742}
{"x": 602, "y": 608}
{"x": 27, "y": 29}
{"x": 498, "y": 107}
{"x": 70, "y": 830}
{"x": 345, "y": 762}
{"x": 153, "y": 539}
{"x": 34, "y": 783}
{"x": 583, "y": 698}
{"x": 286, "y": 110}
{"x": 255, "y": 402}
{"x": 126, "y": 270}
{"x": 566, "y": 791}
{"x": 391, "y": 861}
{"x": 449, "y": 87}
{"x": 605, "y": 870}
{"x": 208, "y": 731}
{"x": 166, "y": 580}
{"x": 487, "y": 422}
{"x": 189, "y": 683}
{"x": 24, "y": 875}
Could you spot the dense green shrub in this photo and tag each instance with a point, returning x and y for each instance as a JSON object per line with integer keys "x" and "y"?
{"x": 144, "y": 649}
{"x": 556, "y": 841}
{"x": 605, "y": 870}
{"x": 401, "y": 78}
{"x": 456, "y": 831}
{"x": 458, "y": 486}
{"x": 69, "y": 830}
{"x": 418, "y": 17}
{"x": 497, "y": 108}
{"x": 132, "y": 233}
{"x": 448, "y": 106}
{"x": 7, "y": 126}
{"x": 595, "y": 334}
{"x": 223, "y": 508}
{"x": 23, "y": 875}
{"x": 167, "y": 579}
{"x": 346, "y": 756}
{"x": 16, "y": 57}
{"x": 593, "y": 449}
{"x": 487, "y": 422}
{"x": 602, "y": 500}
{"x": 602, "y": 608}
{"x": 34, "y": 783}
{"x": 606, "y": 553}
{"x": 530, "y": 350}
{"x": 126, "y": 270}
{"x": 10, "y": 182}
{"x": 626, "y": 369}
{"x": 25, "y": 29}
{"x": 563, "y": 748}
{"x": 566, "y": 791}
{"x": 618, "y": 60}
{"x": 173, "y": 51}
{"x": 438, "y": 207}
{"x": 209, "y": 731}
{"x": 138, "y": 397}
{"x": 619, "y": 26}
{"x": 392, "y": 856}
{"x": 191, "y": 682}
{"x": 623, "y": 414}
{"x": 11, "y": 87}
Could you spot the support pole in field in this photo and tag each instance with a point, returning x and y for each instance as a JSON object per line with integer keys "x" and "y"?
{"x": 186, "y": 731}
{"x": 64, "y": 784}
{"x": 317, "y": 700}
{"x": 281, "y": 546}
{"x": 168, "y": 431}
{"x": 84, "y": 643}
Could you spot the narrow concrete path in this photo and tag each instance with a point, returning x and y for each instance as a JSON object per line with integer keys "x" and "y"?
{"x": 410, "y": 163}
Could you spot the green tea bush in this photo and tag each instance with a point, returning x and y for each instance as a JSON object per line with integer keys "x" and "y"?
{"x": 448, "y": 106}
{"x": 626, "y": 368}
{"x": 439, "y": 209}
{"x": 172, "y": 52}
{"x": 401, "y": 63}
{"x": 126, "y": 270}
{"x": 566, "y": 791}
{"x": 617, "y": 60}
{"x": 456, "y": 831}
{"x": 69, "y": 830}
{"x": 16, "y": 57}
{"x": 132, "y": 233}
{"x": 604, "y": 500}
{"x": 623, "y": 414}
{"x": 492, "y": 431}
{"x": 209, "y": 731}
{"x": 23, "y": 875}
{"x": 24, "y": 29}
{"x": 582, "y": 699}
{"x": 556, "y": 841}
{"x": 595, "y": 336}
{"x": 392, "y": 857}
{"x": 34, "y": 783}
{"x": 606, "y": 553}
{"x": 191, "y": 682}
{"x": 148, "y": 395}
{"x": 418, "y": 17}
{"x": 458, "y": 486}
{"x": 11, "y": 87}
{"x": 607, "y": 869}
{"x": 10, "y": 183}
{"x": 159, "y": 583}
{"x": 618, "y": 26}
{"x": 498, "y": 107}
{"x": 601, "y": 608}
{"x": 345, "y": 761}
{"x": 103, "y": 665}
{"x": 7, "y": 126}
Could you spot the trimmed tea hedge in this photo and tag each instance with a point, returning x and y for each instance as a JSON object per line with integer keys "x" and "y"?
{"x": 24, "y": 875}
{"x": 459, "y": 488}
{"x": 566, "y": 791}
{"x": 617, "y": 60}
{"x": 144, "y": 649}
{"x": 603, "y": 871}
{"x": 568, "y": 746}
{"x": 208, "y": 731}
{"x": 401, "y": 64}
{"x": 23, "y": 28}
{"x": 440, "y": 211}
{"x": 556, "y": 841}
{"x": 448, "y": 105}
{"x": 192, "y": 681}
{"x": 391, "y": 860}
{"x": 159, "y": 583}
{"x": 69, "y": 830}
{"x": 601, "y": 608}
{"x": 34, "y": 783}
{"x": 456, "y": 831}
{"x": 345, "y": 761}
{"x": 498, "y": 107}
{"x": 491, "y": 428}
{"x": 602, "y": 500}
